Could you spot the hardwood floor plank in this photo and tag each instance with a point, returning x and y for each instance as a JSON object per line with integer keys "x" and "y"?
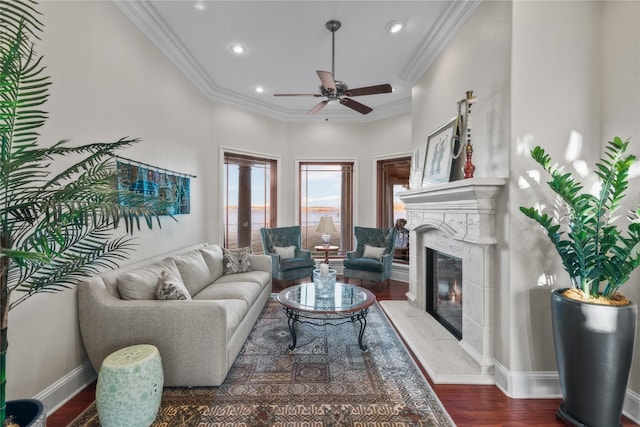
{"x": 468, "y": 405}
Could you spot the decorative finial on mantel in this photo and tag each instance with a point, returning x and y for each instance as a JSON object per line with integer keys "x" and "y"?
{"x": 465, "y": 120}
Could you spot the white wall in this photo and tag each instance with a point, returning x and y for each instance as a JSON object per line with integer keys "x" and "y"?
{"x": 555, "y": 88}
{"x": 620, "y": 29}
{"x": 478, "y": 59}
{"x": 542, "y": 72}
{"x": 109, "y": 81}
{"x": 362, "y": 141}
{"x": 575, "y": 77}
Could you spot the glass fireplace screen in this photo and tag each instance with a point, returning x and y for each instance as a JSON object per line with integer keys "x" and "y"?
{"x": 444, "y": 290}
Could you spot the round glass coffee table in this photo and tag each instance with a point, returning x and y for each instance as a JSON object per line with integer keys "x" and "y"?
{"x": 341, "y": 304}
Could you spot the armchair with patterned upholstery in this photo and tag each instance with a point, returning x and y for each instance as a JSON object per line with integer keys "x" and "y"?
{"x": 372, "y": 258}
{"x": 288, "y": 260}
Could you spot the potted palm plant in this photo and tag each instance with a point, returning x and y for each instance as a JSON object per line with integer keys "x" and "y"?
{"x": 58, "y": 223}
{"x": 593, "y": 323}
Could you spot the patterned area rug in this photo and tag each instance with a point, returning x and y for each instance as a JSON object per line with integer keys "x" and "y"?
{"x": 325, "y": 381}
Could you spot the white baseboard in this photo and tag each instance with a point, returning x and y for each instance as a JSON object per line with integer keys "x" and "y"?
{"x": 400, "y": 272}
{"x": 631, "y": 408}
{"x": 527, "y": 385}
{"x": 60, "y": 392}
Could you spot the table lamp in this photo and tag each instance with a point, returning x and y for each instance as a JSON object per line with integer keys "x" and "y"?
{"x": 325, "y": 226}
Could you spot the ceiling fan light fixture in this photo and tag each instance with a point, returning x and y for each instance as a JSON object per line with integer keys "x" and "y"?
{"x": 395, "y": 27}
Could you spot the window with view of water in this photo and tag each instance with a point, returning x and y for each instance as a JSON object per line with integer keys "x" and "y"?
{"x": 326, "y": 189}
{"x": 249, "y": 199}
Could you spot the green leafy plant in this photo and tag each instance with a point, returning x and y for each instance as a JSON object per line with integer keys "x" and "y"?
{"x": 597, "y": 255}
{"x": 56, "y": 226}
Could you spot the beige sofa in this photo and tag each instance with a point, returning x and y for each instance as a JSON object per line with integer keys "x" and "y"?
{"x": 198, "y": 339}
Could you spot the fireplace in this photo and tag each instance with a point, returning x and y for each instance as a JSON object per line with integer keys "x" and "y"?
{"x": 444, "y": 290}
{"x": 455, "y": 220}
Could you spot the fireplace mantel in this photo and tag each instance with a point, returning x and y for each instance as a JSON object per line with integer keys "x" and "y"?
{"x": 457, "y": 218}
{"x": 464, "y": 209}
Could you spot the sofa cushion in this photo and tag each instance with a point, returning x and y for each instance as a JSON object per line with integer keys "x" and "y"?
{"x": 236, "y": 260}
{"x": 262, "y": 278}
{"x": 373, "y": 252}
{"x": 193, "y": 270}
{"x": 285, "y": 252}
{"x": 170, "y": 287}
{"x": 213, "y": 257}
{"x": 293, "y": 263}
{"x": 142, "y": 283}
{"x": 245, "y": 291}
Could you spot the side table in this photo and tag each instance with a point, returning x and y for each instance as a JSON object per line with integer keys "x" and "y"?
{"x": 326, "y": 249}
{"x": 129, "y": 387}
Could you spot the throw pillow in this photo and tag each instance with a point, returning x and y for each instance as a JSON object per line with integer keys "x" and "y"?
{"x": 285, "y": 252}
{"x": 373, "y": 252}
{"x": 235, "y": 260}
{"x": 171, "y": 288}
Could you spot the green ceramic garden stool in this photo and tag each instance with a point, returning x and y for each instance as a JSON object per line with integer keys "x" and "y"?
{"x": 129, "y": 387}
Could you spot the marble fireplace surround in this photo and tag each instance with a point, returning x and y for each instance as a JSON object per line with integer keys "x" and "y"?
{"x": 456, "y": 218}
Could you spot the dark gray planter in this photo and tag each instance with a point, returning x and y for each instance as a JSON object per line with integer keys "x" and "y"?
{"x": 27, "y": 412}
{"x": 594, "y": 347}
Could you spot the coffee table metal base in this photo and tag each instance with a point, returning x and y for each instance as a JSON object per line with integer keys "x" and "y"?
{"x": 297, "y": 316}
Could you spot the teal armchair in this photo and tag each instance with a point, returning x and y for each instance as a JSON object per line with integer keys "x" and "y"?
{"x": 288, "y": 260}
{"x": 372, "y": 258}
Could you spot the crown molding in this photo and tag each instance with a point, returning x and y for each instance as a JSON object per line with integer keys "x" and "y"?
{"x": 448, "y": 22}
{"x": 144, "y": 15}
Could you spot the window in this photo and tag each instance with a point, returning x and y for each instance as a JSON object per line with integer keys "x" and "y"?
{"x": 393, "y": 178}
{"x": 326, "y": 189}
{"x": 250, "y": 195}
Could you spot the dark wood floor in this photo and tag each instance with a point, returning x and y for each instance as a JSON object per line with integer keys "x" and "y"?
{"x": 468, "y": 405}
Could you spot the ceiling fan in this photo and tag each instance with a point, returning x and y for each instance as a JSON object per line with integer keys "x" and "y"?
{"x": 335, "y": 90}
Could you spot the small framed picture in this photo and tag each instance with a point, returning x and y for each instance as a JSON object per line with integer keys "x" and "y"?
{"x": 438, "y": 159}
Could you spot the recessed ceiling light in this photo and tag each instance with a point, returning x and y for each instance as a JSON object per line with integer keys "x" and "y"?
{"x": 395, "y": 27}
{"x": 199, "y": 5}
{"x": 238, "y": 49}
{"x": 259, "y": 89}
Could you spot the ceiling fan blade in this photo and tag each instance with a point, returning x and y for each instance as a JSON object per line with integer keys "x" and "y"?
{"x": 355, "y": 105}
{"x": 369, "y": 90}
{"x": 327, "y": 80}
{"x": 319, "y": 106}
{"x": 297, "y": 94}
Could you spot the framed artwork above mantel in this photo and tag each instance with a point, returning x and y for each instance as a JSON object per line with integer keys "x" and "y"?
{"x": 438, "y": 159}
